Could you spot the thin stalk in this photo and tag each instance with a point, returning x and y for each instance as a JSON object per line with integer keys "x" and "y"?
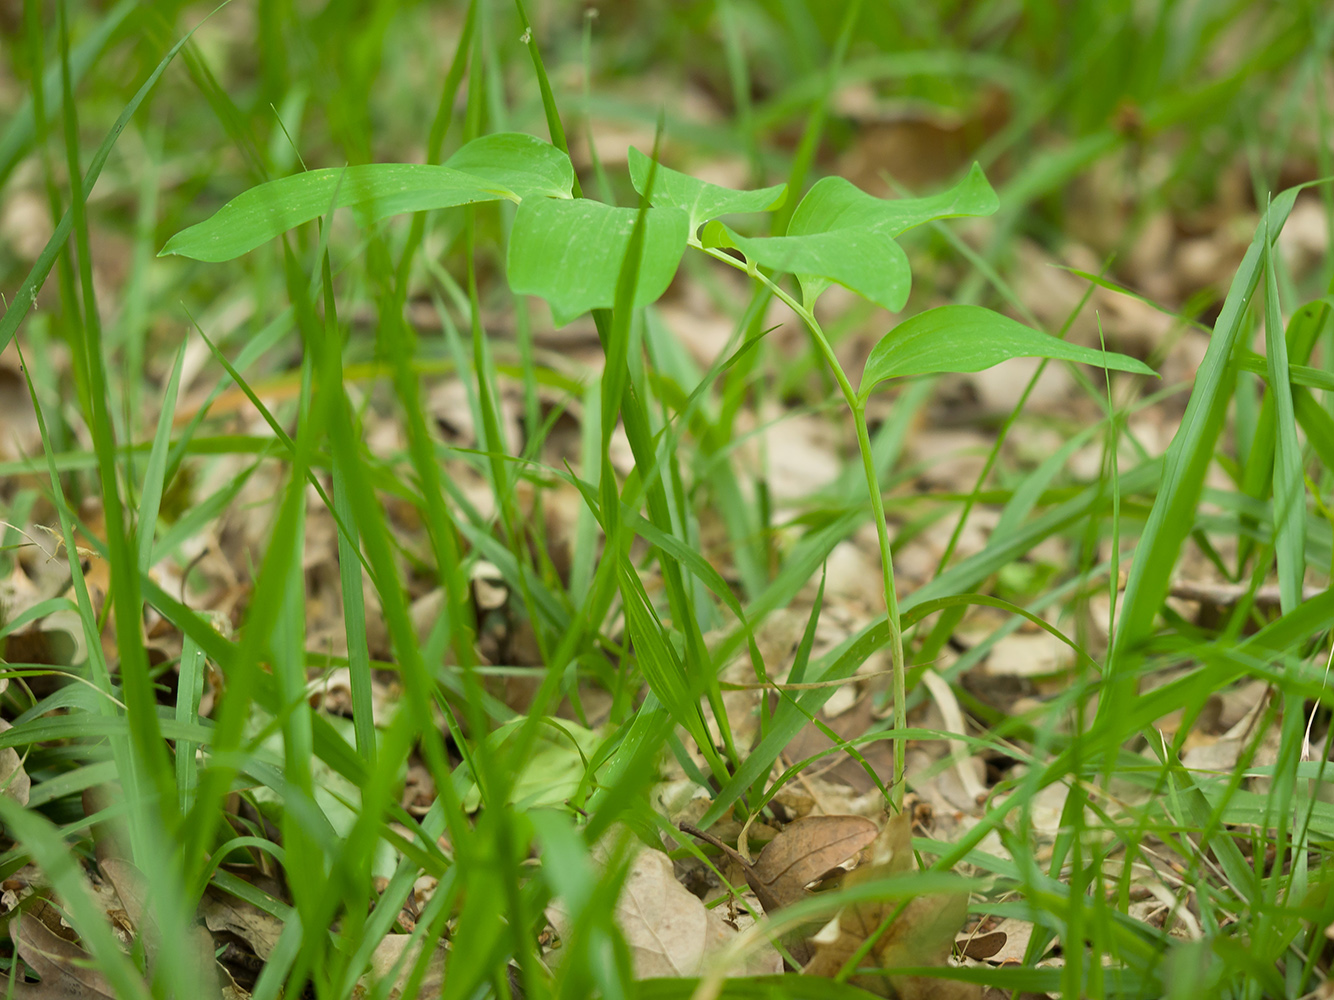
{"x": 858, "y": 409}
{"x": 891, "y": 604}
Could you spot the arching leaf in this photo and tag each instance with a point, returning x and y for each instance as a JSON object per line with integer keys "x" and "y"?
{"x": 834, "y": 203}
{"x": 502, "y": 166}
{"x": 570, "y": 253}
{"x": 700, "y": 200}
{"x": 969, "y": 339}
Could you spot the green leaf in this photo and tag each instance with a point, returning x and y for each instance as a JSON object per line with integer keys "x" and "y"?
{"x": 570, "y": 253}
{"x": 377, "y": 190}
{"x": 869, "y": 263}
{"x": 969, "y": 339}
{"x": 1189, "y": 457}
{"x": 552, "y": 771}
{"x": 700, "y": 200}
{"x": 1289, "y": 509}
{"x": 834, "y": 203}
{"x": 840, "y": 234}
{"x": 524, "y": 164}
{"x": 494, "y": 167}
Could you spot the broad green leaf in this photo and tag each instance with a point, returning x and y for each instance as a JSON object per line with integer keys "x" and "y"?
{"x": 834, "y": 203}
{"x": 869, "y": 263}
{"x": 552, "y": 772}
{"x": 969, "y": 339}
{"x": 524, "y": 164}
{"x": 570, "y": 253}
{"x": 700, "y": 200}
{"x": 494, "y": 167}
{"x": 840, "y": 234}
{"x": 377, "y": 190}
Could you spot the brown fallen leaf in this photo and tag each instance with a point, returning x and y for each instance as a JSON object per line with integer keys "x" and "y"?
{"x": 669, "y": 930}
{"x": 981, "y": 946}
{"x": 227, "y": 914}
{"x": 393, "y": 954}
{"x": 807, "y": 849}
{"x": 13, "y": 778}
{"x": 196, "y": 946}
{"x": 131, "y": 887}
{"x": 68, "y": 972}
{"x": 193, "y": 949}
{"x": 800, "y": 853}
{"x": 920, "y": 932}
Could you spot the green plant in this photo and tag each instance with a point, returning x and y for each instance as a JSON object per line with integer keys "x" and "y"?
{"x": 577, "y": 254}
{"x": 652, "y": 606}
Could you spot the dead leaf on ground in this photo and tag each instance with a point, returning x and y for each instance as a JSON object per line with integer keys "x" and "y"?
{"x": 980, "y": 946}
{"x": 798, "y": 855}
{"x": 1021, "y": 655}
{"x": 807, "y": 849}
{"x": 669, "y": 930}
{"x": 393, "y": 953}
{"x": 915, "y": 143}
{"x": 1013, "y": 948}
{"x": 921, "y": 933}
{"x": 13, "y": 778}
{"x": 665, "y": 925}
{"x": 68, "y": 972}
{"x": 246, "y": 921}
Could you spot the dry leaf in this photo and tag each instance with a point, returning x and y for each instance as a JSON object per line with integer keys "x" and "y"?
{"x": 13, "y": 778}
{"x": 131, "y": 886}
{"x": 252, "y": 925}
{"x": 1017, "y": 935}
{"x": 797, "y": 856}
{"x": 922, "y": 933}
{"x": 664, "y": 924}
{"x": 669, "y": 930}
{"x": 981, "y": 946}
{"x": 68, "y": 972}
{"x": 392, "y": 948}
{"x": 808, "y": 849}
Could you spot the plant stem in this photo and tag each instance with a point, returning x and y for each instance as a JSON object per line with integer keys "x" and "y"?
{"x": 896, "y": 663}
{"x": 858, "y": 408}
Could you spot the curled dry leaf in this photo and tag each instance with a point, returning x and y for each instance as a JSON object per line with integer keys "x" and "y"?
{"x": 248, "y": 922}
{"x": 965, "y": 766}
{"x": 801, "y": 853}
{"x": 393, "y": 953}
{"x": 981, "y": 946}
{"x": 68, "y": 972}
{"x": 13, "y": 778}
{"x": 920, "y": 932}
{"x": 669, "y": 930}
{"x": 131, "y": 886}
{"x": 808, "y": 849}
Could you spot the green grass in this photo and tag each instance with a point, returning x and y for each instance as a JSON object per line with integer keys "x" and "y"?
{"x": 274, "y": 411}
